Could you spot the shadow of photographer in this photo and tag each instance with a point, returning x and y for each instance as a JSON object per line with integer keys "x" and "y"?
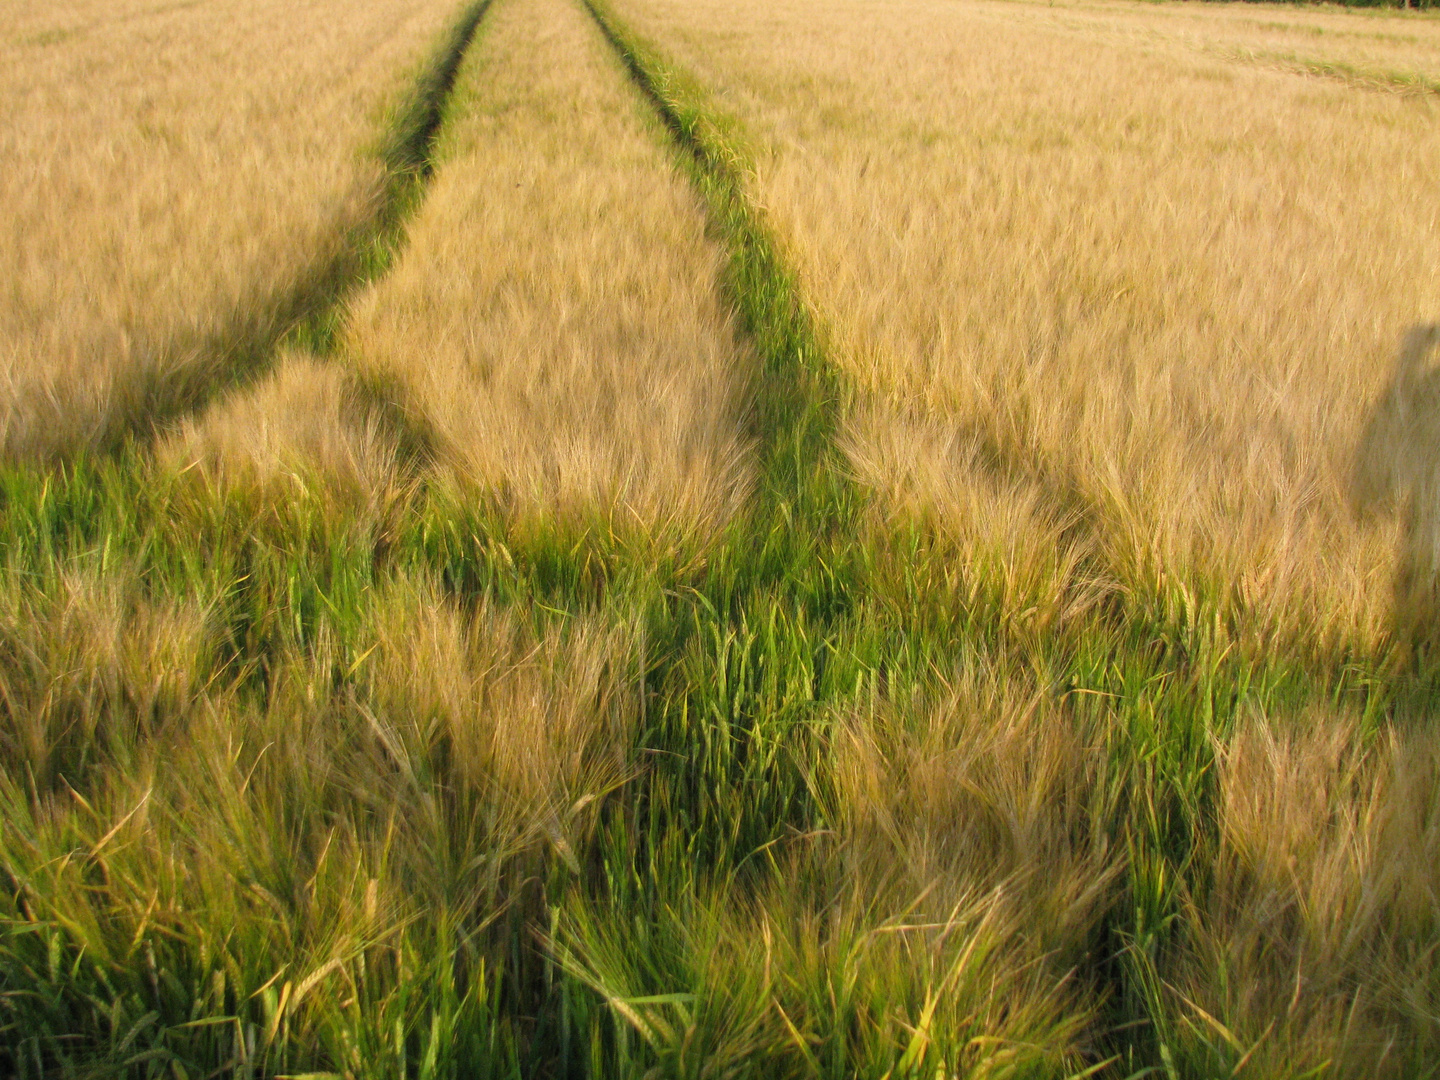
{"x": 1397, "y": 469}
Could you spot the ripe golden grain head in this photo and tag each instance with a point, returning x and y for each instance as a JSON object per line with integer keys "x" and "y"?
{"x": 307, "y": 419}
{"x": 556, "y": 313}
{"x": 1170, "y": 295}
{"x": 184, "y": 170}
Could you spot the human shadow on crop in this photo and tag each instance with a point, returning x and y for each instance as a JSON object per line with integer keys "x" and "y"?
{"x": 1397, "y": 470}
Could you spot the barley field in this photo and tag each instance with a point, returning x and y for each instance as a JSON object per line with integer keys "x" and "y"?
{"x": 554, "y": 538}
{"x": 181, "y": 178}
